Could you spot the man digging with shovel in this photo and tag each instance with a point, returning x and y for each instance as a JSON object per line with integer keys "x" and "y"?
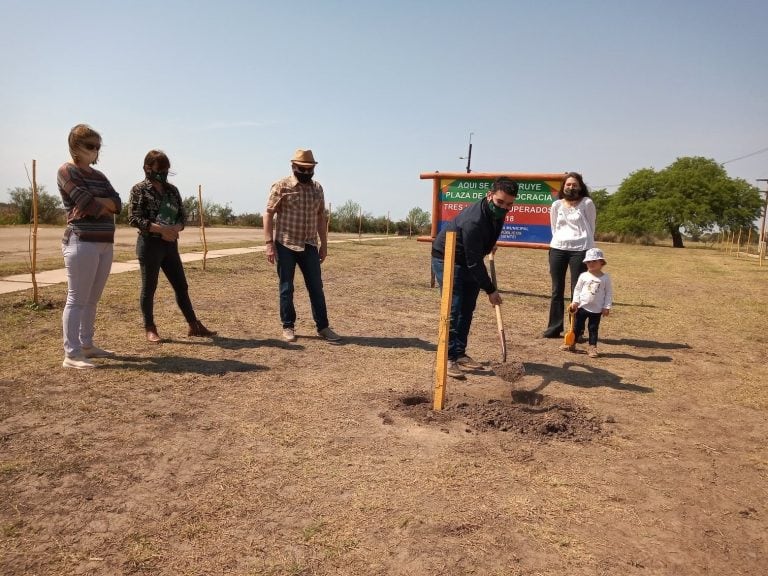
{"x": 477, "y": 228}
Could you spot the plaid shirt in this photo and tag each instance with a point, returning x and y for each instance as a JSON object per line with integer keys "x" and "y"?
{"x": 297, "y": 208}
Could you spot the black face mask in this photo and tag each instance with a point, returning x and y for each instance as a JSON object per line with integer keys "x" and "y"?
{"x": 304, "y": 178}
{"x": 159, "y": 176}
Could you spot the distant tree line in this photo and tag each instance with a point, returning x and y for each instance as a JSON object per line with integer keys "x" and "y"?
{"x": 693, "y": 197}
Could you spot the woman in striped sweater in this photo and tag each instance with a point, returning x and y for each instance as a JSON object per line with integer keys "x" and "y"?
{"x": 90, "y": 202}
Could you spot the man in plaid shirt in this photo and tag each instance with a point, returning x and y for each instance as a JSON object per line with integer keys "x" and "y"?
{"x": 294, "y": 221}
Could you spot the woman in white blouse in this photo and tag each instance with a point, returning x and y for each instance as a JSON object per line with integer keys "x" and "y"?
{"x": 572, "y": 217}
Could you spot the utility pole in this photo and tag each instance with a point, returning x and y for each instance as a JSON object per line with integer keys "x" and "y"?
{"x": 761, "y": 240}
{"x": 468, "y": 157}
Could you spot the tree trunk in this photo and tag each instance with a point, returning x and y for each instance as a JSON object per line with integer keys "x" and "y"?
{"x": 677, "y": 238}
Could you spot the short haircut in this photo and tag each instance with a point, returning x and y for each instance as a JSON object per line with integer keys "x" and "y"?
{"x": 506, "y": 185}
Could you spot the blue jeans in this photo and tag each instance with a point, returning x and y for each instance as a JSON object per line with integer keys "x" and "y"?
{"x": 88, "y": 265}
{"x": 308, "y": 261}
{"x": 560, "y": 261}
{"x": 156, "y": 254}
{"x": 463, "y": 301}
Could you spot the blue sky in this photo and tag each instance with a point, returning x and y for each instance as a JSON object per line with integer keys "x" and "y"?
{"x": 382, "y": 91}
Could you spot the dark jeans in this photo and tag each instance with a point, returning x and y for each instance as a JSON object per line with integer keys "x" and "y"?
{"x": 308, "y": 261}
{"x": 592, "y": 319}
{"x": 463, "y": 301}
{"x": 156, "y": 254}
{"x": 560, "y": 261}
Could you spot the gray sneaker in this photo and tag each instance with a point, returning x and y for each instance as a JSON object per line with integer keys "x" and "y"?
{"x": 289, "y": 335}
{"x": 329, "y": 335}
{"x": 468, "y": 363}
{"x": 454, "y": 371}
{"x": 77, "y": 362}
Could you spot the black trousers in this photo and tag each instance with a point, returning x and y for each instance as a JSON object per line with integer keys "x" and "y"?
{"x": 156, "y": 254}
{"x": 560, "y": 262}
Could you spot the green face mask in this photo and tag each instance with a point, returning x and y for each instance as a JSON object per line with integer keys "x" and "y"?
{"x": 498, "y": 213}
{"x": 159, "y": 176}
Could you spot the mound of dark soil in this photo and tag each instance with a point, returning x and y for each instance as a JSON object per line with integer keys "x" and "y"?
{"x": 527, "y": 413}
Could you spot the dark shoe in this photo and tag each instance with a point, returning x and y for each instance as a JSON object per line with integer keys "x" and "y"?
{"x": 197, "y": 329}
{"x": 580, "y": 339}
{"x": 329, "y": 334}
{"x": 152, "y": 335}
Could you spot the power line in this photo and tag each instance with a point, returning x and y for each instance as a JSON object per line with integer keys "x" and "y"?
{"x": 755, "y": 153}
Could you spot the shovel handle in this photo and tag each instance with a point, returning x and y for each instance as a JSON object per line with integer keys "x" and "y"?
{"x": 492, "y": 267}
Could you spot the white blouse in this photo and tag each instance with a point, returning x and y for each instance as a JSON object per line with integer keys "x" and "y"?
{"x": 573, "y": 227}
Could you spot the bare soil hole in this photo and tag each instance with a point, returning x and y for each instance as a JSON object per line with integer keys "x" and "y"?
{"x": 527, "y": 413}
{"x": 527, "y": 397}
{"x": 414, "y": 400}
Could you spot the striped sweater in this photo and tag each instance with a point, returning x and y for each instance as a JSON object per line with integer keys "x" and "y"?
{"x": 78, "y": 188}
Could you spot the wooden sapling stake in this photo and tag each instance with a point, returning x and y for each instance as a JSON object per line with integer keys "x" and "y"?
{"x": 202, "y": 222}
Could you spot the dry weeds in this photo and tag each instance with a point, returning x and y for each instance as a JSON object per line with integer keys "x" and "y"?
{"x": 246, "y": 455}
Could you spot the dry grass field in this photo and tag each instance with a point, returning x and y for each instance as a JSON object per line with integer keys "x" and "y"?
{"x": 243, "y": 455}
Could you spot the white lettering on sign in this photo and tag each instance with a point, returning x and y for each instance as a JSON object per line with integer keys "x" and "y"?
{"x": 530, "y": 186}
{"x": 534, "y": 197}
{"x": 461, "y": 195}
{"x": 531, "y": 209}
{"x": 473, "y": 185}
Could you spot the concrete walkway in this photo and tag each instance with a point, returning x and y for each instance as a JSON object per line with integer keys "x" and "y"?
{"x": 22, "y": 282}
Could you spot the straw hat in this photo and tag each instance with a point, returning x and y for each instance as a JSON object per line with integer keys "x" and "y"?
{"x": 303, "y": 158}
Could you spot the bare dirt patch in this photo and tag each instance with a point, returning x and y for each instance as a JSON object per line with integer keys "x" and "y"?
{"x": 245, "y": 455}
{"x": 529, "y": 414}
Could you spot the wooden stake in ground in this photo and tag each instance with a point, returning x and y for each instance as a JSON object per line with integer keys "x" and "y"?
{"x": 202, "y": 222}
{"x": 360, "y": 224}
{"x": 441, "y": 364}
{"x": 34, "y": 233}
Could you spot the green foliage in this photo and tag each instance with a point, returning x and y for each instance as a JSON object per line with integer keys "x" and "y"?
{"x": 346, "y": 217}
{"x": 420, "y": 220}
{"x": 693, "y": 195}
{"x": 255, "y": 220}
{"x": 49, "y": 207}
{"x": 213, "y": 214}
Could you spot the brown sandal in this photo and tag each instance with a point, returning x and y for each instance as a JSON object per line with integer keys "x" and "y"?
{"x": 152, "y": 335}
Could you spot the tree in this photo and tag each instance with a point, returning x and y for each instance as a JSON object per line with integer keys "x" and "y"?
{"x": 419, "y": 220}
{"x": 48, "y": 206}
{"x": 345, "y": 217}
{"x": 692, "y": 195}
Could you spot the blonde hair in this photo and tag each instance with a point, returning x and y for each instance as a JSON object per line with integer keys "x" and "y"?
{"x": 78, "y": 135}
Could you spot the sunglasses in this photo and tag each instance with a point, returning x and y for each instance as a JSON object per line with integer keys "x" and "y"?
{"x": 91, "y": 146}
{"x": 304, "y": 169}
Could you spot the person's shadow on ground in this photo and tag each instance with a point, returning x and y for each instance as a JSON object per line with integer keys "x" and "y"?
{"x": 180, "y": 364}
{"x": 386, "y": 342}
{"x": 581, "y": 375}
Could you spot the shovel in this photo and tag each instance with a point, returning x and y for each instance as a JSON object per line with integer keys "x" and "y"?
{"x": 499, "y": 323}
{"x": 570, "y": 336}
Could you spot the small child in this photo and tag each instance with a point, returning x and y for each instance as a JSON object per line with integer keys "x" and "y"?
{"x": 592, "y": 299}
